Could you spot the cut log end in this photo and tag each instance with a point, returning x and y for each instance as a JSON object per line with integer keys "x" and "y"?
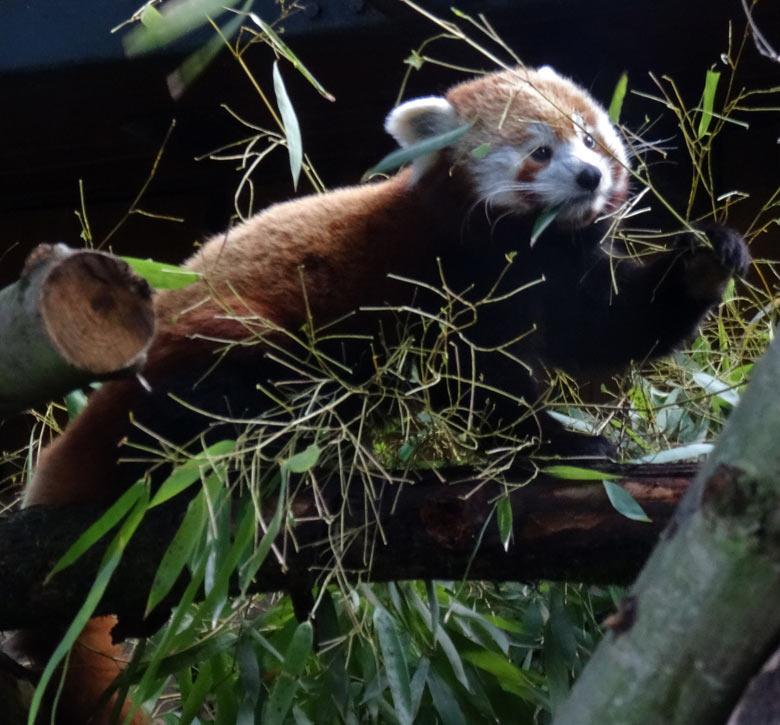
{"x": 97, "y": 312}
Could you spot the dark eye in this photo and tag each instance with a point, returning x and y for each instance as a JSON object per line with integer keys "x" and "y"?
{"x": 589, "y": 141}
{"x": 543, "y": 153}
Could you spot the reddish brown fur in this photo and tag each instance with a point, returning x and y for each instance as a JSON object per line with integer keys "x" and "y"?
{"x": 337, "y": 248}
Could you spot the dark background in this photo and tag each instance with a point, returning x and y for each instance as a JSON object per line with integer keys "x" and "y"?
{"x": 72, "y": 107}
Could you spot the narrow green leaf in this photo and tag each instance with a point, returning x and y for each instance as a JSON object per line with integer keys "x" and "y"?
{"x": 575, "y": 473}
{"x": 284, "y": 50}
{"x": 281, "y": 697}
{"x": 250, "y": 680}
{"x": 395, "y": 665}
{"x": 708, "y": 102}
{"x": 195, "y": 63}
{"x": 433, "y": 606}
{"x": 177, "y": 19}
{"x": 480, "y": 151}
{"x": 185, "y": 475}
{"x": 160, "y": 275}
{"x": 179, "y": 551}
{"x": 191, "y": 705}
{"x": 75, "y": 402}
{"x": 243, "y": 539}
{"x": 495, "y": 663}
{"x": 292, "y": 130}
{"x": 616, "y": 104}
{"x": 624, "y": 503}
{"x": 108, "y": 565}
{"x": 299, "y": 463}
{"x": 418, "y": 684}
{"x": 504, "y": 519}
{"x": 409, "y": 153}
{"x": 444, "y": 700}
{"x": 543, "y": 221}
{"x": 303, "y": 461}
{"x": 101, "y": 527}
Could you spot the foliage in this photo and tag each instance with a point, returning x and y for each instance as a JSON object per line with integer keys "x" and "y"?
{"x": 450, "y": 652}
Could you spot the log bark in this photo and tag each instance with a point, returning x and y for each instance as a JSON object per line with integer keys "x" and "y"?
{"x": 73, "y": 317}
{"x": 703, "y": 614}
{"x": 433, "y": 529}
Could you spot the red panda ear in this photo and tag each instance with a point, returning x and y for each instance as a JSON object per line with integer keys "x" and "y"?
{"x": 421, "y": 118}
{"x": 547, "y": 71}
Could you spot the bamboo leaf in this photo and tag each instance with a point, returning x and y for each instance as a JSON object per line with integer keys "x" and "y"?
{"x": 543, "y": 221}
{"x": 575, "y": 473}
{"x": 409, "y": 153}
{"x": 616, "y": 104}
{"x": 186, "y": 474}
{"x": 707, "y": 102}
{"x": 160, "y": 275}
{"x": 281, "y": 697}
{"x": 624, "y": 503}
{"x": 195, "y": 63}
{"x": 101, "y": 527}
{"x": 395, "y": 665}
{"x": 303, "y": 461}
{"x": 284, "y": 50}
{"x": 179, "y": 551}
{"x": 504, "y": 518}
{"x": 292, "y": 130}
{"x": 177, "y": 19}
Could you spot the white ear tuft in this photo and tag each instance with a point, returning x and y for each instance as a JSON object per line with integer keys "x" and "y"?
{"x": 547, "y": 71}
{"x": 421, "y": 118}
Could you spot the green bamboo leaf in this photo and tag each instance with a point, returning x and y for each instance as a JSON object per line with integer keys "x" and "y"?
{"x": 543, "y": 221}
{"x": 505, "y": 519}
{"x": 624, "y": 503}
{"x": 250, "y": 681}
{"x": 433, "y": 606}
{"x": 284, "y": 50}
{"x": 444, "y": 700}
{"x": 179, "y": 551}
{"x": 160, "y": 275}
{"x": 158, "y": 29}
{"x": 108, "y": 565}
{"x": 616, "y": 104}
{"x": 195, "y": 63}
{"x": 281, "y": 697}
{"x": 409, "y": 153}
{"x": 480, "y": 151}
{"x": 243, "y": 539}
{"x": 395, "y": 665}
{"x": 192, "y": 704}
{"x": 495, "y": 663}
{"x": 292, "y": 130}
{"x": 101, "y": 527}
{"x": 575, "y": 473}
{"x": 299, "y": 463}
{"x": 186, "y": 474}
{"x": 303, "y": 461}
{"x": 75, "y": 402}
{"x": 418, "y": 684}
{"x": 707, "y": 102}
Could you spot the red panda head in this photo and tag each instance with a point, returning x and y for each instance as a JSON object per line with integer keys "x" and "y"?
{"x": 538, "y": 141}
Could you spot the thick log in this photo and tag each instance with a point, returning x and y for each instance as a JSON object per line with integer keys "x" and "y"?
{"x": 73, "y": 317}
{"x": 440, "y": 527}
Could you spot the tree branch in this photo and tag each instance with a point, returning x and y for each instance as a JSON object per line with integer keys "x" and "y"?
{"x": 73, "y": 317}
{"x": 429, "y": 530}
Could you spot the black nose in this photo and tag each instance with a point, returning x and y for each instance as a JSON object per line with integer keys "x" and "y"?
{"x": 589, "y": 177}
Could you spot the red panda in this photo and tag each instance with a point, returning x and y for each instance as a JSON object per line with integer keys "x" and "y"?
{"x": 537, "y": 142}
